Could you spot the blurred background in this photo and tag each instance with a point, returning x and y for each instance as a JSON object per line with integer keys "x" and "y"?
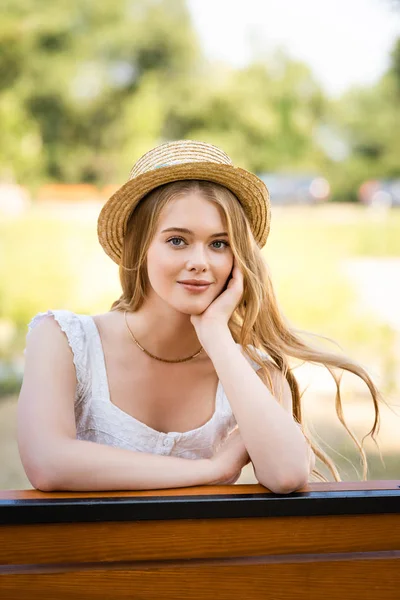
{"x": 304, "y": 94}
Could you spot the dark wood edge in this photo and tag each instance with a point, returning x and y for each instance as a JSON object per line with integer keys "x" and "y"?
{"x": 241, "y": 501}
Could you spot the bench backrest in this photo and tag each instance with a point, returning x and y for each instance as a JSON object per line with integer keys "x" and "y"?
{"x": 327, "y": 541}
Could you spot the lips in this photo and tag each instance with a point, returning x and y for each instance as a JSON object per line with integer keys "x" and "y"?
{"x": 194, "y": 287}
{"x": 195, "y": 282}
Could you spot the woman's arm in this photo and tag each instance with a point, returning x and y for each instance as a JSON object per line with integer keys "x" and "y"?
{"x": 282, "y": 390}
{"x": 278, "y": 449}
{"x": 76, "y": 465}
{"x": 54, "y": 459}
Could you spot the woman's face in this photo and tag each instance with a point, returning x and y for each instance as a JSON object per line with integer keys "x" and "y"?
{"x": 176, "y": 256}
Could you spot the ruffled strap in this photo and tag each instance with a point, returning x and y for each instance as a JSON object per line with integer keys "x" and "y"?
{"x": 72, "y": 326}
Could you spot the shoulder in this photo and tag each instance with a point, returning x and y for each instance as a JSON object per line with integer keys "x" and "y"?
{"x": 47, "y": 350}
{"x": 63, "y": 325}
{"x": 60, "y": 324}
{"x": 47, "y": 325}
{"x": 111, "y": 326}
{"x": 109, "y": 319}
{"x": 58, "y": 338}
{"x": 53, "y": 319}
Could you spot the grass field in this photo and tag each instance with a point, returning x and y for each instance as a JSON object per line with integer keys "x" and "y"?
{"x": 50, "y": 258}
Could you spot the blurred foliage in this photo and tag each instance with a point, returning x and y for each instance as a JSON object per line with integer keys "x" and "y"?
{"x": 10, "y": 383}
{"x": 87, "y": 78}
{"x": 87, "y": 87}
{"x": 369, "y": 120}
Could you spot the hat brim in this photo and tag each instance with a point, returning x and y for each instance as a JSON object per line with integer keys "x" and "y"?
{"x": 251, "y": 192}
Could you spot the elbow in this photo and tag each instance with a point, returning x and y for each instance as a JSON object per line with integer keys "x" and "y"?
{"x": 45, "y": 485}
{"x": 284, "y": 485}
{"x": 42, "y": 479}
{"x": 46, "y": 466}
{"x": 291, "y": 479}
{"x": 287, "y": 487}
{"x": 42, "y": 473}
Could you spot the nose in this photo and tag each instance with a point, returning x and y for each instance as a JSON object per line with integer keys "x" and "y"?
{"x": 197, "y": 258}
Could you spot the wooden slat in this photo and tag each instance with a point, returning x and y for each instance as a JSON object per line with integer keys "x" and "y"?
{"x": 367, "y": 578}
{"x": 157, "y": 540}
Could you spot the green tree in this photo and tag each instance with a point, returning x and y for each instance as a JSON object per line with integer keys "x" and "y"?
{"x": 368, "y": 119}
{"x": 75, "y": 71}
{"x": 263, "y": 115}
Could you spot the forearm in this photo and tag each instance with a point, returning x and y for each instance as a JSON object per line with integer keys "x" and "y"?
{"x": 79, "y": 465}
{"x": 276, "y": 445}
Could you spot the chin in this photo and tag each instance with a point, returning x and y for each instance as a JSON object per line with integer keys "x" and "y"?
{"x": 195, "y": 306}
{"x": 195, "y": 309}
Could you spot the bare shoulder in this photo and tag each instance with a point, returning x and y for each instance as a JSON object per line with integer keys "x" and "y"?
{"x": 46, "y": 332}
{"x": 48, "y": 350}
{"x": 107, "y": 317}
{"x": 110, "y": 321}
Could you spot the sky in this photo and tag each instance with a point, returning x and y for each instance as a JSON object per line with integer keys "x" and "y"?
{"x": 345, "y": 42}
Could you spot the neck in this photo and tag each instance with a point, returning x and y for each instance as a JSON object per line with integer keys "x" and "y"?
{"x": 169, "y": 336}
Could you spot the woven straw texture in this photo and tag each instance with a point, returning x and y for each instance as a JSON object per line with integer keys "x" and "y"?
{"x": 174, "y": 161}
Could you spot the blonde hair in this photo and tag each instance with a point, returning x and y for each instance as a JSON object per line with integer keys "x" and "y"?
{"x": 257, "y": 323}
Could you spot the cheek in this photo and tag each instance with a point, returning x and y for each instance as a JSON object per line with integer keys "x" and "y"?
{"x": 223, "y": 276}
{"x": 161, "y": 269}
{"x": 156, "y": 258}
{"x": 227, "y": 270}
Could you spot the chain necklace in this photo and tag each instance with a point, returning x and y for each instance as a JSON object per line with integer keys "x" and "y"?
{"x": 156, "y": 357}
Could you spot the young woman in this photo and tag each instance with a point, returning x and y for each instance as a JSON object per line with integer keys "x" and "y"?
{"x": 187, "y": 377}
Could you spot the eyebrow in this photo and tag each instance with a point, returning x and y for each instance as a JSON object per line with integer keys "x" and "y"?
{"x": 184, "y": 230}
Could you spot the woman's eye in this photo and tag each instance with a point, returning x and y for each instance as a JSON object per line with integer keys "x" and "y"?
{"x": 179, "y": 240}
{"x": 221, "y": 242}
{"x": 225, "y": 244}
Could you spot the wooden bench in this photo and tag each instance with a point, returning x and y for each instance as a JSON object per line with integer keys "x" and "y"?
{"x": 328, "y": 541}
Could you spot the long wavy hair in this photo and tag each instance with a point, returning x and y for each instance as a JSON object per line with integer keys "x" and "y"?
{"x": 257, "y": 323}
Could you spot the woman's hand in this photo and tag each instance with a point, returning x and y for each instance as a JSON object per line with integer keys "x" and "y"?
{"x": 230, "y": 459}
{"x": 218, "y": 313}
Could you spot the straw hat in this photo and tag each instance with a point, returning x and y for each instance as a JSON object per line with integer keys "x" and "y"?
{"x": 174, "y": 161}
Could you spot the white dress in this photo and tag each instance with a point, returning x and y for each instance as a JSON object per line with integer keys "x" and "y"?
{"x": 99, "y": 420}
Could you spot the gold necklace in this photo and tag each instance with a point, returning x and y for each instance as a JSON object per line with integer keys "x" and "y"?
{"x": 156, "y": 357}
